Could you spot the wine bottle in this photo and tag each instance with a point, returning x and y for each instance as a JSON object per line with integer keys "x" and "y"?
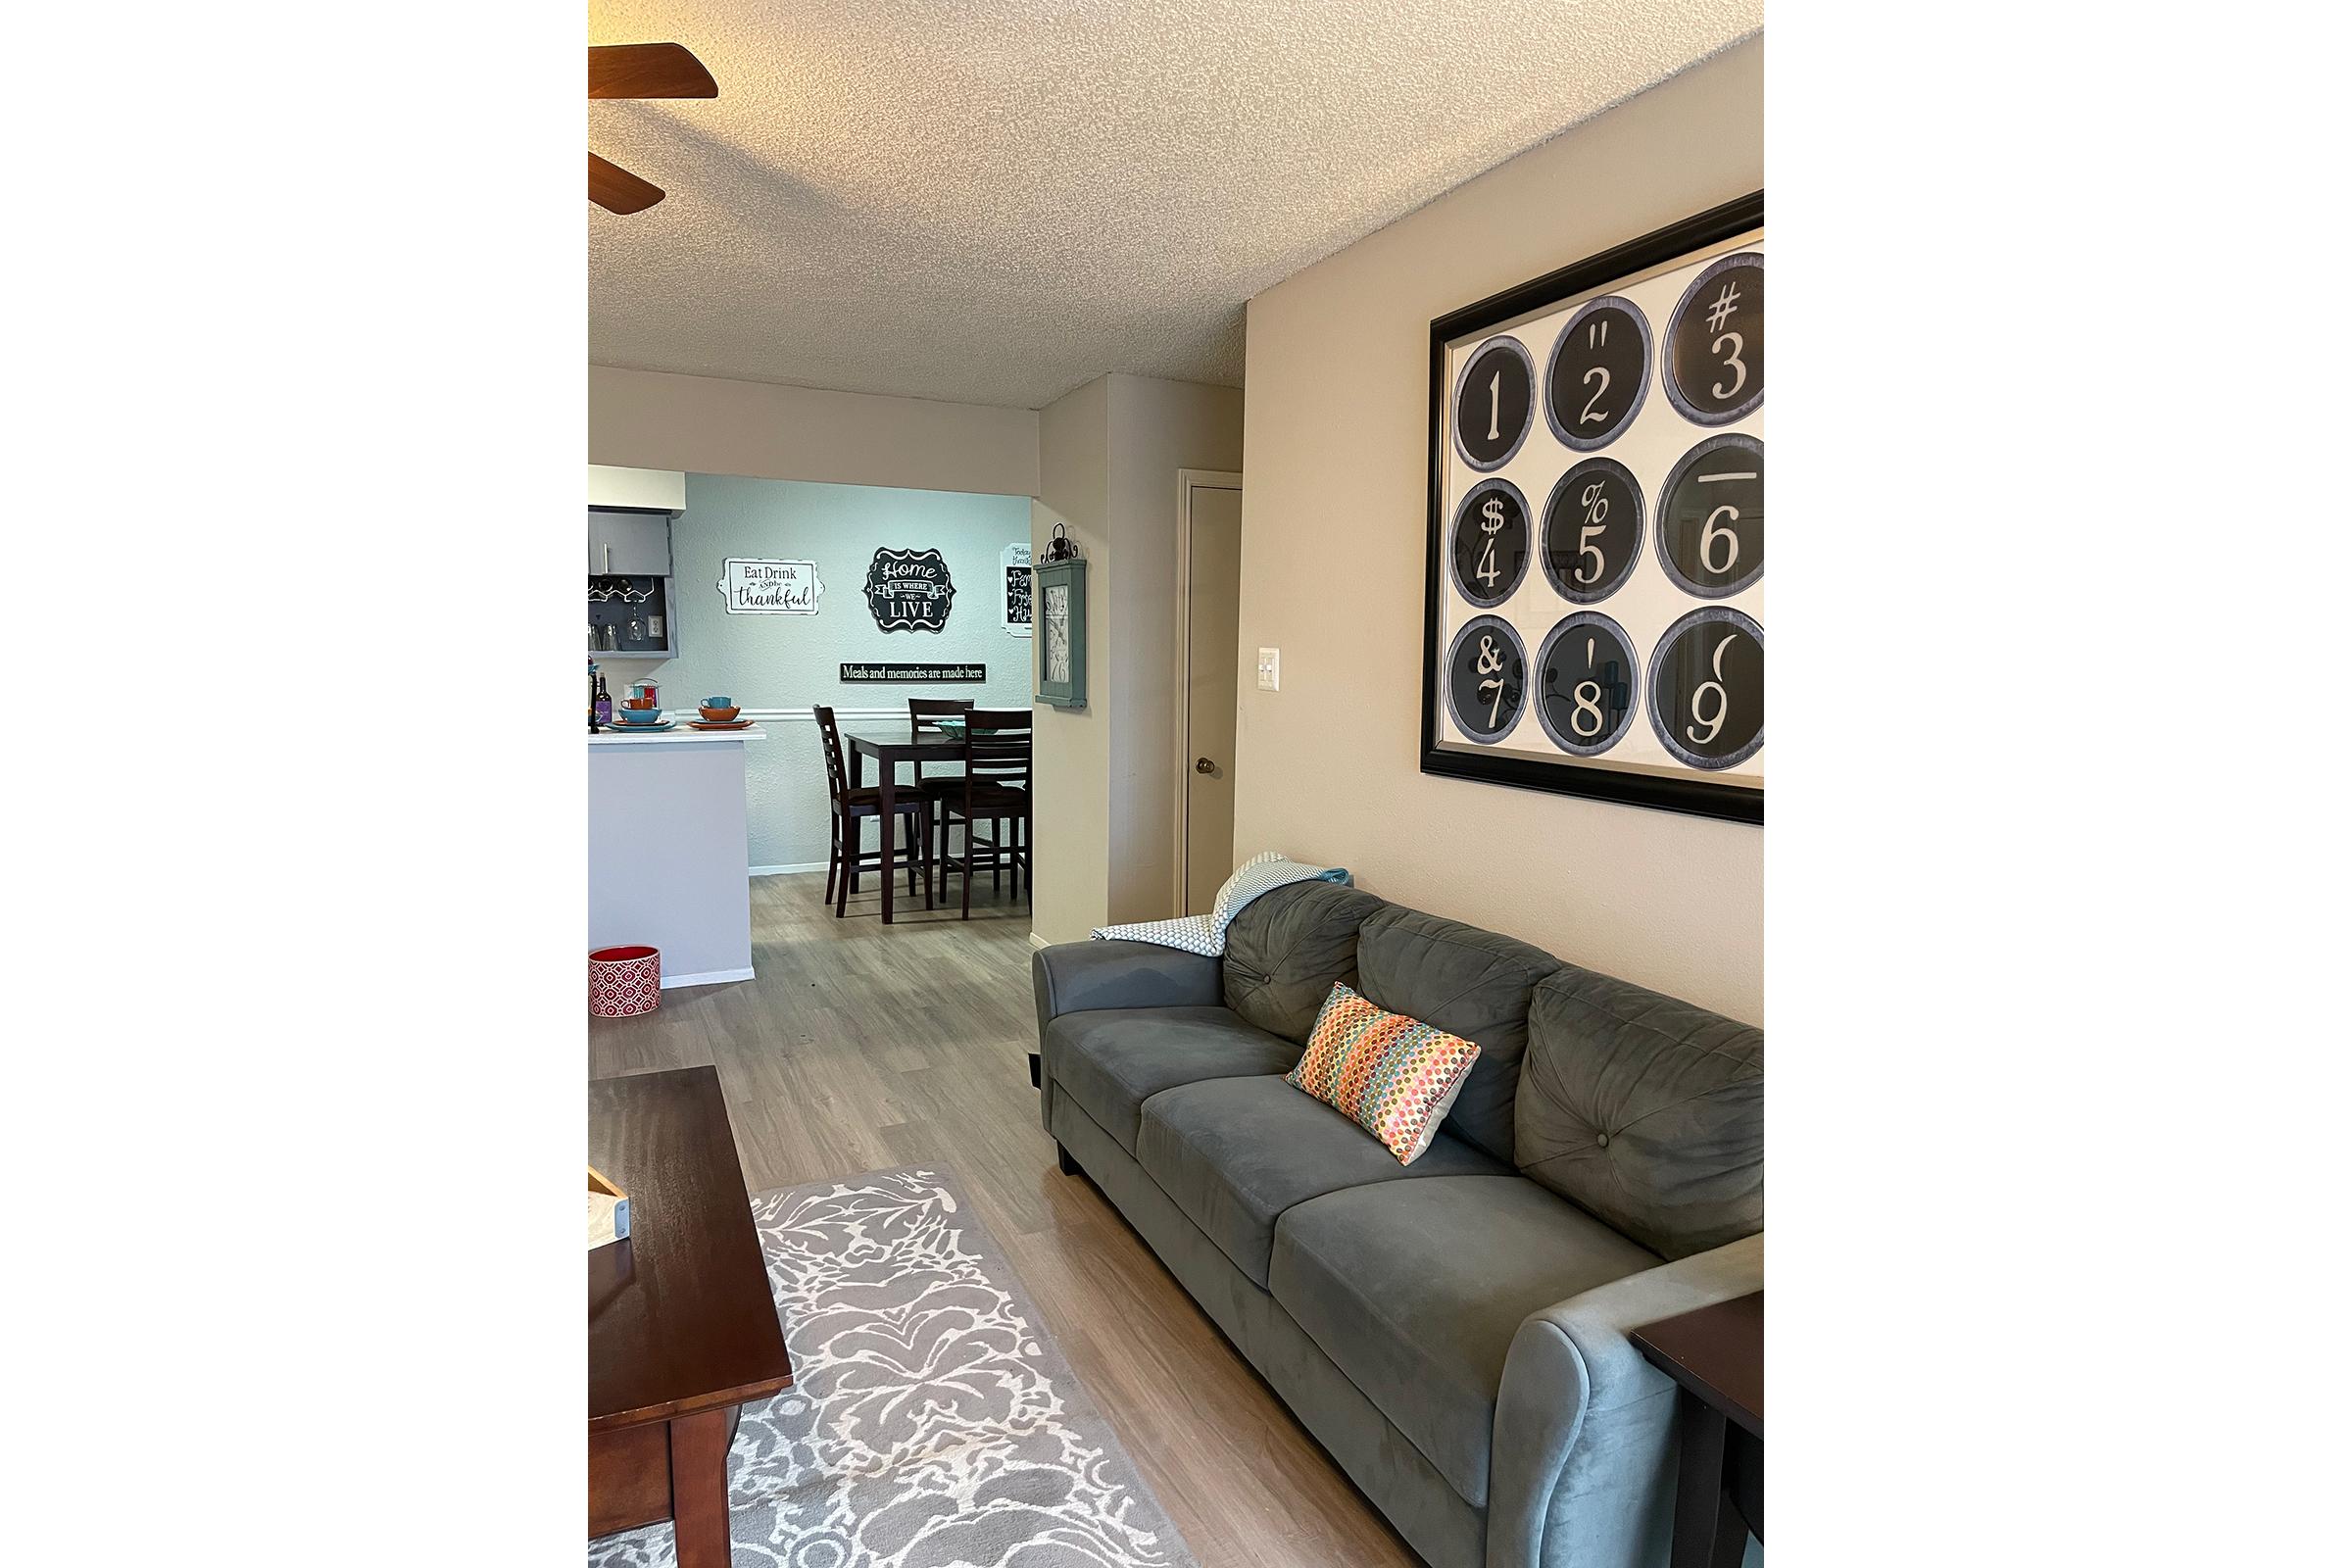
{"x": 604, "y": 701}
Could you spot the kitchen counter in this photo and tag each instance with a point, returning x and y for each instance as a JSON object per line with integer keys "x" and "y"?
{"x": 668, "y": 853}
{"x": 678, "y": 736}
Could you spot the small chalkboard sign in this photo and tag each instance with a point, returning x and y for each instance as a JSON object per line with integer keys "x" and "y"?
{"x": 959, "y": 674}
{"x": 1017, "y": 590}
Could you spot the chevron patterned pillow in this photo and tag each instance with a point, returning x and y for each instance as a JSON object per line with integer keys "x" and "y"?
{"x": 1396, "y": 1076}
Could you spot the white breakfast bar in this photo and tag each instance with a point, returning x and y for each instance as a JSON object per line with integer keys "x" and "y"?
{"x": 669, "y": 856}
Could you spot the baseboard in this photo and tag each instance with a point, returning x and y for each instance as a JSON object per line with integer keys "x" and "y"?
{"x": 786, "y": 870}
{"x": 712, "y": 978}
{"x": 1037, "y": 940}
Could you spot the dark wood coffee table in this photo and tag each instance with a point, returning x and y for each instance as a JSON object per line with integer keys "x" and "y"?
{"x": 1717, "y": 1356}
{"x": 682, "y": 1332}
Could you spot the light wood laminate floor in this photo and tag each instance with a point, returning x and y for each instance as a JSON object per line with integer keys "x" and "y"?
{"x": 862, "y": 1047}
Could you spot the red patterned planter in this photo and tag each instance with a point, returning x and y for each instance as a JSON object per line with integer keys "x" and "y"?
{"x": 623, "y": 982}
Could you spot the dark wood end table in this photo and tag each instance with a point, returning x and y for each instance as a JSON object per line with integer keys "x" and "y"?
{"x": 1716, "y": 1354}
{"x": 682, "y": 1332}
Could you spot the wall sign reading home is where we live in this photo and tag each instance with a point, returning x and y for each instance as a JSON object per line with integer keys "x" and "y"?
{"x": 770, "y": 587}
{"x": 909, "y": 590}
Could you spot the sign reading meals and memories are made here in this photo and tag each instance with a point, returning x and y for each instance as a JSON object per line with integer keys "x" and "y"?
{"x": 868, "y": 670}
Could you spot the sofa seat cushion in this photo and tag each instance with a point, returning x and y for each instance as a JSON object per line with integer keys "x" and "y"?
{"x": 1235, "y": 1153}
{"x": 1113, "y": 1060}
{"x": 1414, "y": 1290}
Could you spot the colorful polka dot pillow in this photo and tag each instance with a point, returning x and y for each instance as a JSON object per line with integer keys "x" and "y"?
{"x": 1396, "y": 1076}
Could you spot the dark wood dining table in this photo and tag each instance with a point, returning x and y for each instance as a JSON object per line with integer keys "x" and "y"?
{"x": 889, "y": 744}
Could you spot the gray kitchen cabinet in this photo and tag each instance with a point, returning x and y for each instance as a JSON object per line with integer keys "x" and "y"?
{"x": 627, "y": 543}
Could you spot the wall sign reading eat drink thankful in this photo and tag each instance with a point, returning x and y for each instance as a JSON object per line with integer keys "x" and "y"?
{"x": 770, "y": 587}
{"x": 909, "y": 590}
{"x": 1604, "y": 424}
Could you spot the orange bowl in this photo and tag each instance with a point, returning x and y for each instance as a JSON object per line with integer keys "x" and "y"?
{"x": 639, "y": 702}
{"x": 721, "y": 715}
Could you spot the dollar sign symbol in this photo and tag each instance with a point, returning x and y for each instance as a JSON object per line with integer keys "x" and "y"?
{"x": 1488, "y": 571}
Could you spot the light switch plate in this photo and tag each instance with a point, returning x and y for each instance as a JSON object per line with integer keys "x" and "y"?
{"x": 1269, "y": 669}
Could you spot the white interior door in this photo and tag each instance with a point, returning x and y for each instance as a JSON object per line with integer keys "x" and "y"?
{"x": 1212, "y": 668}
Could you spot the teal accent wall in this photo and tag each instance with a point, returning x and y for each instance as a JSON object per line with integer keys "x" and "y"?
{"x": 791, "y": 662}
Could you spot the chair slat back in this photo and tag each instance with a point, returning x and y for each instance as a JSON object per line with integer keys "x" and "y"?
{"x": 996, "y": 745}
{"x": 829, "y": 741}
{"x": 922, "y": 712}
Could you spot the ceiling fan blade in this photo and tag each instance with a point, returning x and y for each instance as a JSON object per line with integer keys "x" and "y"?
{"x": 646, "y": 70}
{"x": 616, "y": 190}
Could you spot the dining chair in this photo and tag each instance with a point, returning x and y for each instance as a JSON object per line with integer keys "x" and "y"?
{"x": 850, "y": 807}
{"x": 925, "y": 713}
{"x": 996, "y": 790}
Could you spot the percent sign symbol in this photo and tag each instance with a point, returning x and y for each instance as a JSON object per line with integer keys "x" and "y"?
{"x": 1597, "y": 508}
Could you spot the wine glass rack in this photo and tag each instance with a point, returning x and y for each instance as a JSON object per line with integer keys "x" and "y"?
{"x": 623, "y": 611}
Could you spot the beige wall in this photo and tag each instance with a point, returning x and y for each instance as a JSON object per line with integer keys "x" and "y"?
{"x": 1332, "y": 558}
{"x": 702, "y": 424}
{"x": 1106, "y": 775}
{"x": 1071, "y": 892}
{"x": 1156, "y": 428}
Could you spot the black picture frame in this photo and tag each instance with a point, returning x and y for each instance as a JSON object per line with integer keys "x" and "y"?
{"x": 1694, "y": 795}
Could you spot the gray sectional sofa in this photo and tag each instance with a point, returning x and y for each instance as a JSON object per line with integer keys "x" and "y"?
{"x": 1454, "y": 1332}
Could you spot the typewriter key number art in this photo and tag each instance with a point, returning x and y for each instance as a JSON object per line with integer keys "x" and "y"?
{"x": 1628, "y": 403}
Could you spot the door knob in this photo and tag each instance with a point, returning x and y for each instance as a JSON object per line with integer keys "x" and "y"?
{"x": 1201, "y": 764}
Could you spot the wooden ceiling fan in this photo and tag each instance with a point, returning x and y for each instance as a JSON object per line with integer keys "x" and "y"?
{"x": 638, "y": 71}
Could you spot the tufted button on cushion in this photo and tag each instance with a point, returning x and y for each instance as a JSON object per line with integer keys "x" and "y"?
{"x": 1684, "y": 1089}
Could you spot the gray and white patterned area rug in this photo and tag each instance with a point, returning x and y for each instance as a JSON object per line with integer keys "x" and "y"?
{"x": 931, "y": 1422}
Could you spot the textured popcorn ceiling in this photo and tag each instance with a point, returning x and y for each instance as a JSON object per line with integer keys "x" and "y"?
{"x": 995, "y": 201}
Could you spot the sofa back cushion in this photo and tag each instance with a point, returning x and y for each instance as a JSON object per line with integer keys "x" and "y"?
{"x": 1467, "y": 982}
{"x": 1647, "y": 1112}
{"x": 1287, "y": 948}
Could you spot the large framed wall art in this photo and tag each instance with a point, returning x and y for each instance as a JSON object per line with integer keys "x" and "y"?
{"x": 1594, "y": 619}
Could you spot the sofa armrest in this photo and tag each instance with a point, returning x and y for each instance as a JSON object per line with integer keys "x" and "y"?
{"x": 1584, "y": 1427}
{"x": 1087, "y": 976}
{"x": 1091, "y": 976}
